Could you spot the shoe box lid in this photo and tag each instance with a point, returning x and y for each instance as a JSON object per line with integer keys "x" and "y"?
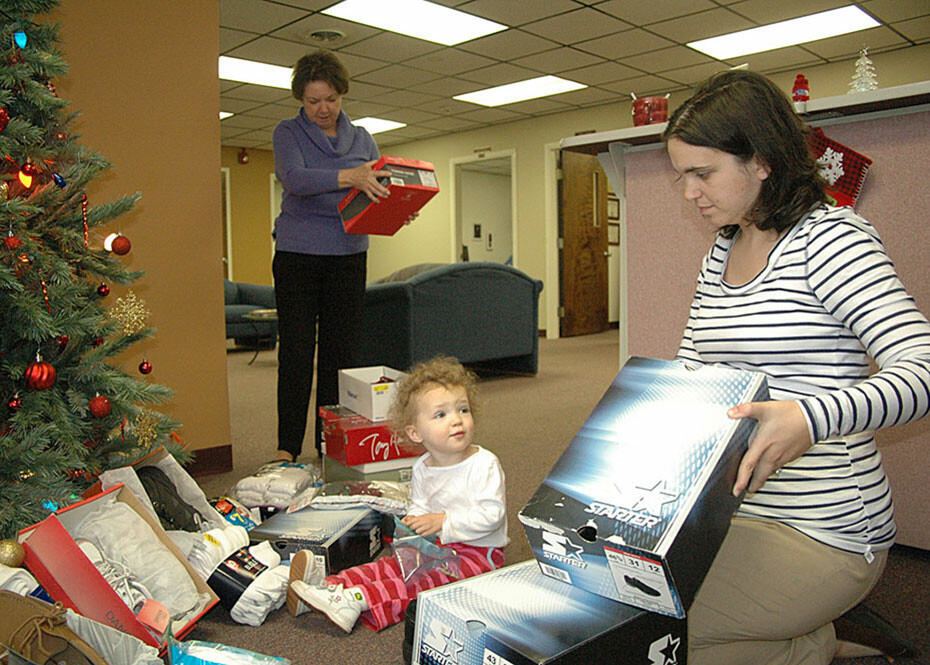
{"x": 353, "y": 439}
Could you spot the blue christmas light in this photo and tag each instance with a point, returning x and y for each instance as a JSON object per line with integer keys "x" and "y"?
{"x": 48, "y": 504}
{"x": 59, "y": 179}
{"x": 20, "y": 38}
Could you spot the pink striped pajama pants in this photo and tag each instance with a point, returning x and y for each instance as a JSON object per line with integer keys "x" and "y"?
{"x": 382, "y": 583}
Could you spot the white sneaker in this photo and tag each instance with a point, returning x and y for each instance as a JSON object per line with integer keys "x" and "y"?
{"x": 118, "y": 576}
{"x": 333, "y": 601}
{"x": 304, "y": 568}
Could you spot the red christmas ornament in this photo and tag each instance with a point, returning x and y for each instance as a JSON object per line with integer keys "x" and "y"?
{"x": 145, "y": 367}
{"x": 15, "y": 402}
{"x": 98, "y": 341}
{"x": 100, "y": 406}
{"x": 63, "y": 343}
{"x": 40, "y": 375}
{"x": 121, "y": 245}
{"x": 12, "y": 243}
{"x": 4, "y": 118}
{"x": 103, "y": 290}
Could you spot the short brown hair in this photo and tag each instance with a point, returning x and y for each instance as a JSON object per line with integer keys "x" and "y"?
{"x": 443, "y": 371}
{"x": 743, "y": 113}
{"x": 319, "y": 66}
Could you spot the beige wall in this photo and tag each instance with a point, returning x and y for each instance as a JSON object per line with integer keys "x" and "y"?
{"x": 143, "y": 77}
{"x": 250, "y": 214}
{"x": 429, "y": 238}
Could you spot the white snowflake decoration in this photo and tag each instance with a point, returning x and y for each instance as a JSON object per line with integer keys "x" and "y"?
{"x": 831, "y": 165}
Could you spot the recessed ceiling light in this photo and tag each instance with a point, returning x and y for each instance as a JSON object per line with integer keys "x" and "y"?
{"x": 259, "y": 73}
{"x": 376, "y": 125}
{"x": 416, "y": 18}
{"x": 224, "y": 115}
{"x": 786, "y": 33}
{"x": 520, "y": 91}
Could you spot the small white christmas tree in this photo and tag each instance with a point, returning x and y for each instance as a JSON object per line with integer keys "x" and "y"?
{"x": 864, "y": 77}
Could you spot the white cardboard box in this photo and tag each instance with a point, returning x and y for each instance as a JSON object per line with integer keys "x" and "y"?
{"x": 360, "y": 390}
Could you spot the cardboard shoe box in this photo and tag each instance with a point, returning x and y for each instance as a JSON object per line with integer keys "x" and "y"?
{"x": 411, "y": 184}
{"x": 518, "y": 616}
{"x": 396, "y": 470}
{"x": 638, "y": 505}
{"x": 351, "y": 438}
{"x": 368, "y": 391}
{"x": 339, "y": 538}
{"x": 67, "y": 574}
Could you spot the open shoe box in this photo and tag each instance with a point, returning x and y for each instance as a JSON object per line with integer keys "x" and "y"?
{"x": 70, "y": 578}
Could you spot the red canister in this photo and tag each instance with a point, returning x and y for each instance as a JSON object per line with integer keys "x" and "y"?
{"x": 650, "y": 110}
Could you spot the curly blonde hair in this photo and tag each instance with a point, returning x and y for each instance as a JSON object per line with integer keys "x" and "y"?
{"x": 444, "y": 371}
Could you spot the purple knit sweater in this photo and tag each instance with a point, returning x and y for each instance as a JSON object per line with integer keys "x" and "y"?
{"x": 307, "y": 162}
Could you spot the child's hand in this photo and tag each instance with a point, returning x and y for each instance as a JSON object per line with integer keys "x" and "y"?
{"x": 425, "y": 525}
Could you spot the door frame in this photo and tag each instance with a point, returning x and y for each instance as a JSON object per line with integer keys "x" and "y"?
{"x": 455, "y": 222}
{"x": 224, "y": 174}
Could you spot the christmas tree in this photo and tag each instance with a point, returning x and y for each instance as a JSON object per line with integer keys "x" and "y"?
{"x": 864, "y": 77}
{"x": 67, "y": 408}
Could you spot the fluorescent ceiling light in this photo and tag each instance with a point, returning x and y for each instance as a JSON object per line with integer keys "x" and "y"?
{"x": 224, "y": 115}
{"x": 520, "y": 91}
{"x": 416, "y": 18}
{"x": 375, "y": 125}
{"x": 786, "y": 33}
{"x": 259, "y": 73}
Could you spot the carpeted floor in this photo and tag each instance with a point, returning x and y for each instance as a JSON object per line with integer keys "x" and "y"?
{"x": 527, "y": 422}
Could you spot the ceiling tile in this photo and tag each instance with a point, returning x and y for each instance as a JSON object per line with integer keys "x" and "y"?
{"x": 447, "y": 87}
{"x": 226, "y": 86}
{"x": 271, "y": 50}
{"x": 263, "y": 135}
{"x": 779, "y": 59}
{"x": 576, "y": 26}
{"x": 237, "y": 105}
{"x": 247, "y": 122}
{"x": 602, "y": 73}
{"x": 845, "y": 46}
{"x": 258, "y": 93}
{"x": 668, "y": 58}
{"x": 538, "y": 106}
{"x": 397, "y": 76}
{"x": 694, "y": 74}
{"x": 391, "y": 46}
{"x": 492, "y": 115}
{"x": 499, "y": 74}
{"x": 276, "y": 111}
{"x": 358, "y": 65}
{"x": 508, "y": 45}
{"x": 230, "y": 38}
{"x": 241, "y": 142}
{"x": 557, "y": 60}
{"x": 638, "y": 12}
{"x": 408, "y": 116}
{"x": 625, "y": 43}
{"x": 306, "y": 4}
{"x": 403, "y": 98}
{"x": 256, "y": 15}
{"x": 896, "y": 10}
{"x": 587, "y": 97}
{"x": 450, "y": 61}
{"x": 301, "y": 31}
{"x": 917, "y": 29}
{"x": 359, "y": 90}
{"x": 365, "y": 109}
{"x": 449, "y": 123}
{"x": 642, "y": 86}
{"x": 766, "y": 11}
{"x": 442, "y": 106}
{"x": 514, "y": 13}
{"x": 228, "y": 131}
{"x": 701, "y": 25}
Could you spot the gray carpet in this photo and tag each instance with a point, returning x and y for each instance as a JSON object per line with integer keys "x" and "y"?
{"x": 527, "y": 422}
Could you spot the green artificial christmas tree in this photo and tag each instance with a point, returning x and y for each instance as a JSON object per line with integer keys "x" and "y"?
{"x": 67, "y": 409}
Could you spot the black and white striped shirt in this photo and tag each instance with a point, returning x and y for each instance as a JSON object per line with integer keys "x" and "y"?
{"x": 827, "y": 300}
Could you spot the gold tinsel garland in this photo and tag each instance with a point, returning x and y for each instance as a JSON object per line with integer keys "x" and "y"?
{"x": 130, "y": 313}
{"x": 145, "y": 427}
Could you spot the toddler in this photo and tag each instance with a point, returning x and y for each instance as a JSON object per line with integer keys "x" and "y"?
{"x": 457, "y": 494}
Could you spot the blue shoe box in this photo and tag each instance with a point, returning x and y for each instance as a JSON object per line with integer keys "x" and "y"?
{"x": 518, "y": 616}
{"x": 638, "y": 505}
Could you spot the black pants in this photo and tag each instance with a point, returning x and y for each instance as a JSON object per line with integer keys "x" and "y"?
{"x": 314, "y": 292}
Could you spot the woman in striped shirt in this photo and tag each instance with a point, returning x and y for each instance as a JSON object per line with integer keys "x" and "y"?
{"x": 805, "y": 293}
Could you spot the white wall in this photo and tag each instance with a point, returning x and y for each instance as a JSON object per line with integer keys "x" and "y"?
{"x": 485, "y": 200}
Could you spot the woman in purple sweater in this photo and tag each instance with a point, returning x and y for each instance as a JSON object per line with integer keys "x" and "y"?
{"x": 319, "y": 269}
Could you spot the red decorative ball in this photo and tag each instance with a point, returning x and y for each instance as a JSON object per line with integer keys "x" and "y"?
{"x": 98, "y": 341}
{"x": 4, "y": 118}
{"x": 121, "y": 245}
{"x": 30, "y": 169}
{"x": 145, "y": 367}
{"x": 100, "y": 406}
{"x": 15, "y": 402}
{"x": 40, "y": 375}
{"x": 103, "y": 290}
{"x": 12, "y": 243}
{"x": 63, "y": 343}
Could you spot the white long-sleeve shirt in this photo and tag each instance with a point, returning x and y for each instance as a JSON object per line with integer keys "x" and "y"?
{"x": 828, "y": 299}
{"x": 470, "y": 493}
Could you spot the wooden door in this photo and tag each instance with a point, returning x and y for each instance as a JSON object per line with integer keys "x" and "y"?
{"x": 583, "y": 245}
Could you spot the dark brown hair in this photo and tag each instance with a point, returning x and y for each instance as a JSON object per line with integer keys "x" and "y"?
{"x": 745, "y": 114}
{"x": 319, "y": 66}
{"x": 440, "y": 371}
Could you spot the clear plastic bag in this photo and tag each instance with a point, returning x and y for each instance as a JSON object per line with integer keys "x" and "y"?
{"x": 194, "y": 652}
{"x": 417, "y": 555}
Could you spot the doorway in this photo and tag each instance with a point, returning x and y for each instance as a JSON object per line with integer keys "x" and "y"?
{"x": 484, "y": 208}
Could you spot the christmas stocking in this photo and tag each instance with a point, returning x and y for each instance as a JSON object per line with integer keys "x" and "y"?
{"x": 843, "y": 168}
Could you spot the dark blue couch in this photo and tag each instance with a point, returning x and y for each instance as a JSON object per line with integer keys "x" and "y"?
{"x": 485, "y": 314}
{"x": 241, "y": 298}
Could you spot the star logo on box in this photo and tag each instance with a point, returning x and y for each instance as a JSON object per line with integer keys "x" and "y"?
{"x": 664, "y": 651}
{"x": 441, "y": 645}
{"x": 559, "y": 548}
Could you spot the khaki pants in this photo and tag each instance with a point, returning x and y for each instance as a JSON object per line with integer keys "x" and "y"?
{"x": 771, "y": 596}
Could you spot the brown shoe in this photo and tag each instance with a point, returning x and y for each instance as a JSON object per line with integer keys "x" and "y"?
{"x": 866, "y": 627}
{"x": 37, "y": 630}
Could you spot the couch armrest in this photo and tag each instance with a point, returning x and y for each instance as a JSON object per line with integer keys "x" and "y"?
{"x": 257, "y": 294}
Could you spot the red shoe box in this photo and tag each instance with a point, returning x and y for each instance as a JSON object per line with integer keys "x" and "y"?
{"x": 69, "y": 577}
{"x": 353, "y": 439}
{"x": 412, "y": 183}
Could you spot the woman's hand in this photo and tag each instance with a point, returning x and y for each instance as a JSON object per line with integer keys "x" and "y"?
{"x": 425, "y": 525}
{"x": 412, "y": 217}
{"x": 364, "y": 179}
{"x": 781, "y": 436}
